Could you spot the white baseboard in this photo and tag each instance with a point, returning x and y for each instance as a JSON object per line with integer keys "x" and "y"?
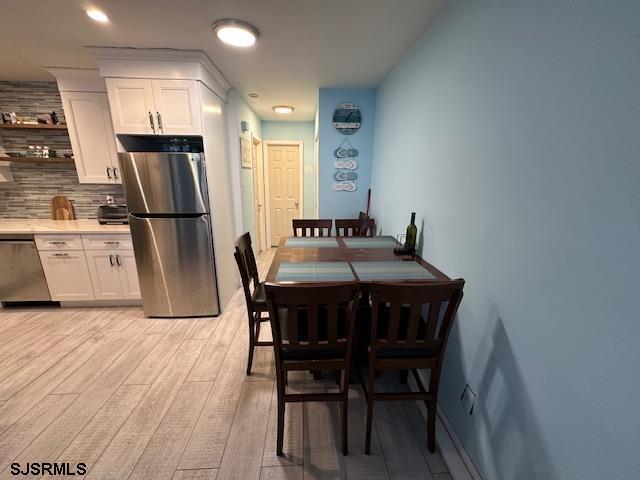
{"x": 453, "y": 453}
{"x": 101, "y": 303}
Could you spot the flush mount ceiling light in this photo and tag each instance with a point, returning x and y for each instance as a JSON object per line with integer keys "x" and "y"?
{"x": 97, "y": 15}
{"x": 283, "y": 109}
{"x": 235, "y": 32}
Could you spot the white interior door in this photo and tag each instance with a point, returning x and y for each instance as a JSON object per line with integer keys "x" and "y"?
{"x": 128, "y": 275}
{"x": 104, "y": 274}
{"x": 284, "y": 189}
{"x": 177, "y": 110}
{"x": 92, "y": 137}
{"x": 132, "y": 106}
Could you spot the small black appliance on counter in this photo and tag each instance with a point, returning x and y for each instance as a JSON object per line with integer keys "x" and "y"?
{"x": 112, "y": 214}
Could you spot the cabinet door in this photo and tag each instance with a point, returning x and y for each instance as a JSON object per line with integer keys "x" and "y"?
{"x": 67, "y": 275}
{"x": 177, "y": 107}
{"x": 92, "y": 137}
{"x": 105, "y": 277}
{"x": 128, "y": 275}
{"x": 132, "y": 107}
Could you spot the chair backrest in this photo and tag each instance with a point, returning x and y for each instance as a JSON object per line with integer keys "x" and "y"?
{"x": 312, "y": 318}
{"x": 414, "y": 316}
{"x": 246, "y": 265}
{"x": 308, "y": 228}
{"x": 357, "y": 227}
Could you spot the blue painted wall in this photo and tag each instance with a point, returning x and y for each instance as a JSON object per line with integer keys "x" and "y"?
{"x": 296, "y": 131}
{"x": 516, "y": 124}
{"x": 334, "y": 204}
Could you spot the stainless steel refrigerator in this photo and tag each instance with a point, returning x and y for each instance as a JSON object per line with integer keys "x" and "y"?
{"x": 168, "y": 204}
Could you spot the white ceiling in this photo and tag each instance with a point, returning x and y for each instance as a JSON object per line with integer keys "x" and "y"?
{"x": 304, "y": 44}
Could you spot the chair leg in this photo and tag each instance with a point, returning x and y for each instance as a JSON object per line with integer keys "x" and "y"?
{"x": 345, "y": 421}
{"x": 281, "y": 405}
{"x": 251, "y": 343}
{"x": 431, "y": 427}
{"x": 370, "y": 393}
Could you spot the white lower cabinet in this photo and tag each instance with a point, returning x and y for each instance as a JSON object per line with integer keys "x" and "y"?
{"x": 104, "y": 275}
{"x": 67, "y": 275}
{"x": 129, "y": 275}
{"x": 90, "y": 267}
{"x": 113, "y": 274}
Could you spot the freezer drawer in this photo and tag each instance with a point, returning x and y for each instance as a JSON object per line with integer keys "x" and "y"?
{"x": 164, "y": 183}
{"x": 21, "y": 275}
{"x": 174, "y": 257}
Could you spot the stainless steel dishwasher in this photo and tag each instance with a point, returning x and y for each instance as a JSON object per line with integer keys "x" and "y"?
{"x": 21, "y": 275}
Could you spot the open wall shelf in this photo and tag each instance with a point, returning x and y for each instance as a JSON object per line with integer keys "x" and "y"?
{"x": 36, "y": 159}
{"x": 28, "y": 126}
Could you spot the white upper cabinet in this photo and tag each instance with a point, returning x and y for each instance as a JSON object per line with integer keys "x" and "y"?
{"x": 132, "y": 107}
{"x": 92, "y": 137}
{"x": 177, "y": 107}
{"x": 161, "y": 107}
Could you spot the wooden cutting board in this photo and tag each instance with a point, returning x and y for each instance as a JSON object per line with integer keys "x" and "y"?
{"x": 62, "y": 208}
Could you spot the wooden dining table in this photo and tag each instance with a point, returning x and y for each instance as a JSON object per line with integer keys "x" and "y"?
{"x": 340, "y": 259}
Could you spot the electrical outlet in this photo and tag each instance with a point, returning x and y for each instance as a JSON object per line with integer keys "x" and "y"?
{"x": 468, "y": 399}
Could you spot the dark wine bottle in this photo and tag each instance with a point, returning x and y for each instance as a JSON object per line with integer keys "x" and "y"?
{"x": 412, "y": 234}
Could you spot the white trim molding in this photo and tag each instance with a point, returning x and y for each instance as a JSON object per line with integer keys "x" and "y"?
{"x": 453, "y": 453}
{"x": 267, "y": 191}
{"x": 125, "y": 62}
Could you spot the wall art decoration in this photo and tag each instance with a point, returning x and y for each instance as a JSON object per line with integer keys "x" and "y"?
{"x": 245, "y": 150}
{"x": 347, "y": 118}
{"x": 345, "y": 175}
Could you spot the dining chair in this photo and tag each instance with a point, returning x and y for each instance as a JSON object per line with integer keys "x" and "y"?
{"x": 308, "y": 228}
{"x": 313, "y": 329}
{"x": 357, "y": 227}
{"x": 410, "y": 325}
{"x": 254, "y": 294}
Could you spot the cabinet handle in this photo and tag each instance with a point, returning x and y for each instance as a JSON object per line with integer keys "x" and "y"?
{"x": 109, "y": 173}
{"x": 115, "y": 173}
{"x": 111, "y": 243}
{"x": 60, "y": 255}
{"x": 159, "y": 122}
{"x": 57, "y": 242}
{"x": 153, "y": 127}
{"x": 111, "y": 260}
{"x": 118, "y": 262}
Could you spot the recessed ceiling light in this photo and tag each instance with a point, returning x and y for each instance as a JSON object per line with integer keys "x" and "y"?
{"x": 97, "y": 15}
{"x": 235, "y": 32}
{"x": 252, "y": 95}
{"x": 283, "y": 109}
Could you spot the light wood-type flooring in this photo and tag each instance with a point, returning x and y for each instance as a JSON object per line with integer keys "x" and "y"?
{"x": 139, "y": 398}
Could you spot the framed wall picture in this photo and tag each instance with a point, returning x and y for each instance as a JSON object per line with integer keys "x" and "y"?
{"x": 245, "y": 152}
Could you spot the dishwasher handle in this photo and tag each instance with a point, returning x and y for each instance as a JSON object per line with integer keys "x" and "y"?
{"x": 17, "y": 242}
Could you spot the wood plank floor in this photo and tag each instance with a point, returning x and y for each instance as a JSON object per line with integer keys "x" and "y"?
{"x": 141, "y": 398}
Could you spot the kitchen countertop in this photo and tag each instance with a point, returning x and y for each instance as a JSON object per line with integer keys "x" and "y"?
{"x": 43, "y": 226}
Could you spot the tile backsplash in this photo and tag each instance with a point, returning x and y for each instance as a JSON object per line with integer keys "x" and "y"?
{"x": 34, "y": 184}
